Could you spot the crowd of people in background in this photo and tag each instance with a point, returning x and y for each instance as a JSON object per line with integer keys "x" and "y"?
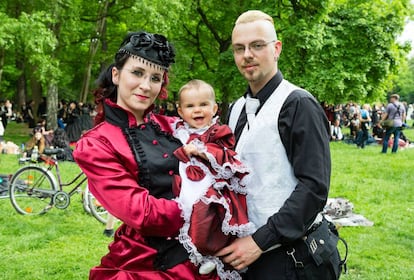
{"x": 360, "y": 124}
{"x": 74, "y": 118}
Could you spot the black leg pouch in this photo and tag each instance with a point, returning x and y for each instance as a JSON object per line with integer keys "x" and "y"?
{"x": 317, "y": 257}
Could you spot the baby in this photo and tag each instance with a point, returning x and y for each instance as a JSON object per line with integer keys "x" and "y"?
{"x": 211, "y": 186}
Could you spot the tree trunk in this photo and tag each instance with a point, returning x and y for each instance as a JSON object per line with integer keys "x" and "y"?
{"x": 52, "y": 106}
{"x": 93, "y": 48}
{"x": 21, "y": 82}
{"x": 36, "y": 90}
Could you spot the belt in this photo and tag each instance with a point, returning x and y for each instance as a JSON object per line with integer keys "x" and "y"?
{"x": 170, "y": 252}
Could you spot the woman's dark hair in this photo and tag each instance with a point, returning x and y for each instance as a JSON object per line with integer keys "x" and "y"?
{"x": 105, "y": 89}
{"x": 60, "y": 138}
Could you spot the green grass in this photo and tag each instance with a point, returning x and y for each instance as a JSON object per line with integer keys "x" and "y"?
{"x": 65, "y": 244}
{"x": 18, "y": 133}
{"x": 381, "y": 188}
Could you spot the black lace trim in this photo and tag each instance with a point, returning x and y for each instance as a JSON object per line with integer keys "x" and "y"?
{"x": 132, "y": 137}
{"x": 159, "y": 131}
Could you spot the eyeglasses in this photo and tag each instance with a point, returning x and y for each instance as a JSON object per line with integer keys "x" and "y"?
{"x": 253, "y": 47}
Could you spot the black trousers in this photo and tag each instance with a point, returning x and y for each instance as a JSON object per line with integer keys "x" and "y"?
{"x": 278, "y": 265}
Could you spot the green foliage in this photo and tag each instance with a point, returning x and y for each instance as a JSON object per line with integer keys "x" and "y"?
{"x": 348, "y": 54}
{"x": 337, "y": 49}
{"x": 404, "y": 84}
{"x": 6, "y": 37}
{"x": 38, "y": 51}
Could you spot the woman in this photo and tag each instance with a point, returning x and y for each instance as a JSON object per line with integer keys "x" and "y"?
{"x": 73, "y": 124}
{"x": 129, "y": 161}
{"x": 37, "y": 140}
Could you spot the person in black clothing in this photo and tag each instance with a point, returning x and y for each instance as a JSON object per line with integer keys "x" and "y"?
{"x": 42, "y": 109}
{"x": 375, "y": 114}
{"x": 3, "y": 116}
{"x": 283, "y": 134}
{"x": 73, "y": 126}
{"x": 62, "y": 112}
{"x": 30, "y": 114}
{"x": 61, "y": 141}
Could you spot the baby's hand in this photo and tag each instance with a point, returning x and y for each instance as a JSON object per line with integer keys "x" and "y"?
{"x": 190, "y": 150}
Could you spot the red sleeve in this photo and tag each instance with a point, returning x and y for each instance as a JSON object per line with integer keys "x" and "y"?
{"x": 181, "y": 155}
{"x": 113, "y": 181}
{"x": 219, "y": 141}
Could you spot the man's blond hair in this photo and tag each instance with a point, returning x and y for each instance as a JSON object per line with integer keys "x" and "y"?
{"x": 256, "y": 15}
{"x": 253, "y": 15}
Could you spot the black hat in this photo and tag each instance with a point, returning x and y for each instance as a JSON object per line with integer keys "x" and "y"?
{"x": 153, "y": 47}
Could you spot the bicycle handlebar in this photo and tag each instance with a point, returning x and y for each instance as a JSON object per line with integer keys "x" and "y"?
{"x": 54, "y": 151}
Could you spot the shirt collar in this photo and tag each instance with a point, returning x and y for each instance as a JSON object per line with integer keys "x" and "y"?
{"x": 268, "y": 89}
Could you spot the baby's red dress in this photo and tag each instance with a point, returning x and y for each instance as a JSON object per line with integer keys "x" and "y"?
{"x": 211, "y": 193}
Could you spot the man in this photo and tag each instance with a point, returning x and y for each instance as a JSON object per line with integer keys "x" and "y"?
{"x": 283, "y": 135}
{"x": 395, "y": 111}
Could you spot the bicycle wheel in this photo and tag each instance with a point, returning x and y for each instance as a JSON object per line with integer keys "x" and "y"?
{"x": 95, "y": 208}
{"x": 85, "y": 200}
{"x": 31, "y": 190}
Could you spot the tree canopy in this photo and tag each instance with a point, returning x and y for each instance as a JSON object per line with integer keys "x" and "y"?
{"x": 339, "y": 50}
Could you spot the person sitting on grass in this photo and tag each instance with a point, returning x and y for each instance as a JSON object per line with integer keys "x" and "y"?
{"x": 61, "y": 141}
{"x": 336, "y": 131}
{"x": 38, "y": 139}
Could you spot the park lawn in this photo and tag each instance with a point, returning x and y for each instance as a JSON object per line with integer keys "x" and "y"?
{"x": 65, "y": 244}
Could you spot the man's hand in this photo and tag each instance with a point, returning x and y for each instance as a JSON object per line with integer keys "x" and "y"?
{"x": 241, "y": 253}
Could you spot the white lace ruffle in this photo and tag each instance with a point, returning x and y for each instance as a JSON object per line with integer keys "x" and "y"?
{"x": 225, "y": 171}
{"x": 238, "y": 230}
{"x": 195, "y": 256}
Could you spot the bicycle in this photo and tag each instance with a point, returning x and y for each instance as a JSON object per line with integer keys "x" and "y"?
{"x": 93, "y": 207}
{"x": 34, "y": 189}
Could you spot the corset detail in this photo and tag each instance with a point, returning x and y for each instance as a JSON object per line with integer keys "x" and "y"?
{"x": 153, "y": 150}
